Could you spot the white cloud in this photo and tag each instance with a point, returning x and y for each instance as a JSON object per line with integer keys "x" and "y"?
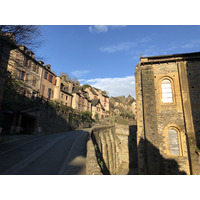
{"x": 114, "y": 86}
{"x": 79, "y": 73}
{"x": 98, "y": 28}
{"x": 103, "y": 28}
{"x": 119, "y": 47}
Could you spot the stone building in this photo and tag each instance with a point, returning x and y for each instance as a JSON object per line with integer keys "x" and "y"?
{"x": 98, "y": 111}
{"x": 95, "y": 94}
{"x": 168, "y": 111}
{"x": 21, "y": 64}
{"x": 26, "y": 69}
{"x": 63, "y": 91}
{"x": 104, "y": 98}
{"x": 81, "y": 100}
{"x": 48, "y": 83}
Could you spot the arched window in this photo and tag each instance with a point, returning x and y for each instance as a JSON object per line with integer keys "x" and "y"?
{"x": 173, "y": 142}
{"x": 166, "y": 91}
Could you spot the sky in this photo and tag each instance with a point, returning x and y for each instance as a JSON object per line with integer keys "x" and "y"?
{"x": 105, "y": 56}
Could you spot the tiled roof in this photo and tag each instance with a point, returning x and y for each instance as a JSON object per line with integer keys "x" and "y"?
{"x": 95, "y": 102}
{"x": 93, "y": 92}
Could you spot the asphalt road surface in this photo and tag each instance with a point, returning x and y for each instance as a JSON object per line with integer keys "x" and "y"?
{"x": 53, "y": 154}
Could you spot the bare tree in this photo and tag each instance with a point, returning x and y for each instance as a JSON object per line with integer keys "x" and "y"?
{"x": 66, "y": 76}
{"x": 10, "y": 37}
{"x": 29, "y": 35}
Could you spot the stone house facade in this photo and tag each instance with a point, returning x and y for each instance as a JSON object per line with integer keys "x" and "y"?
{"x": 81, "y": 100}
{"x": 104, "y": 98}
{"x": 168, "y": 110}
{"x": 98, "y": 111}
{"x": 26, "y": 69}
{"x": 95, "y": 94}
{"x": 63, "y": 91}
{"x": 48, "y": 83}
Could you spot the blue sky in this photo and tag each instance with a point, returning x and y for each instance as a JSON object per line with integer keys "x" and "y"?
{"x": 105, "y": 56}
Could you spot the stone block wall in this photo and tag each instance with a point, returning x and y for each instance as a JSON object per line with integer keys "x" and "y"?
{"x": 155, "y": 118}
{"x": 113, "y": 144}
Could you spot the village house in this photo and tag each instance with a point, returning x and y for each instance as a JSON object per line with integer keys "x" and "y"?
{"x": 24, "y": 68}
{"x": 26, "y": 71}
{"x": 104, "y": 98}
{"x": 81, "y": 100}
{"x": 63, "y": 91}
{"x": 168, "y": 110}
{"x": 48, "y": 83}
{"x": 98, "y": 111}
{"x": 103, "y": 108}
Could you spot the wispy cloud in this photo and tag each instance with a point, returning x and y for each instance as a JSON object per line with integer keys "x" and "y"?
{"x": 191, "y": 44}
{"x": 103, "y": 28}
{"x": 119, "y": 47}
{"x": 114, "y": 86}
{"x": 80, "y": 73}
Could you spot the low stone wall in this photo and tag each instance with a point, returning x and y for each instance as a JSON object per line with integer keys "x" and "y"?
{"x": 115, "y": 148}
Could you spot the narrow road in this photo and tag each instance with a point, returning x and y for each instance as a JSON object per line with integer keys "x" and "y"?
{"x": 53, "y": 154}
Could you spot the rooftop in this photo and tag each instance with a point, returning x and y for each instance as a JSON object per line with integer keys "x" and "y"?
{"x": 169, "y": 58}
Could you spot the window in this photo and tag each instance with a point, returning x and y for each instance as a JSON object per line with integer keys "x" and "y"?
{"x": 43, "y": 88}
{"x": 66, "y": 97}
{"x": 52, "y": 94}
{"x": 61, "y": 86}
{"x": 34, "y": 67}
{"x": 26, "y": 62}
{"x": 105, "y": 99}
{"x": 173, "y": 142}
{"x": 50, "y": 78}
{"x": 166, "y": 91}
{"x": 34, "y": 81}
{"x": 37, "y": 68}
{"x": 22, "y": 75}
{"x": 49, "y": 93}
{"x": 30, "y": 63}
{"x": 45, "y": 74}
{"x": 62, "y": 96}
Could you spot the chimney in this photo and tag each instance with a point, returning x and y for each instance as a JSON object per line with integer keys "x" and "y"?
{"x": 23, "y": 48}
{"x": 41, "y": 62}
{"x": 48, "y": 67}
{"x": 31, "y": 54}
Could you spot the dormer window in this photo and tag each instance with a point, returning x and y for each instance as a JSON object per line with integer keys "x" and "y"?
{"x": 166, "y": 86}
